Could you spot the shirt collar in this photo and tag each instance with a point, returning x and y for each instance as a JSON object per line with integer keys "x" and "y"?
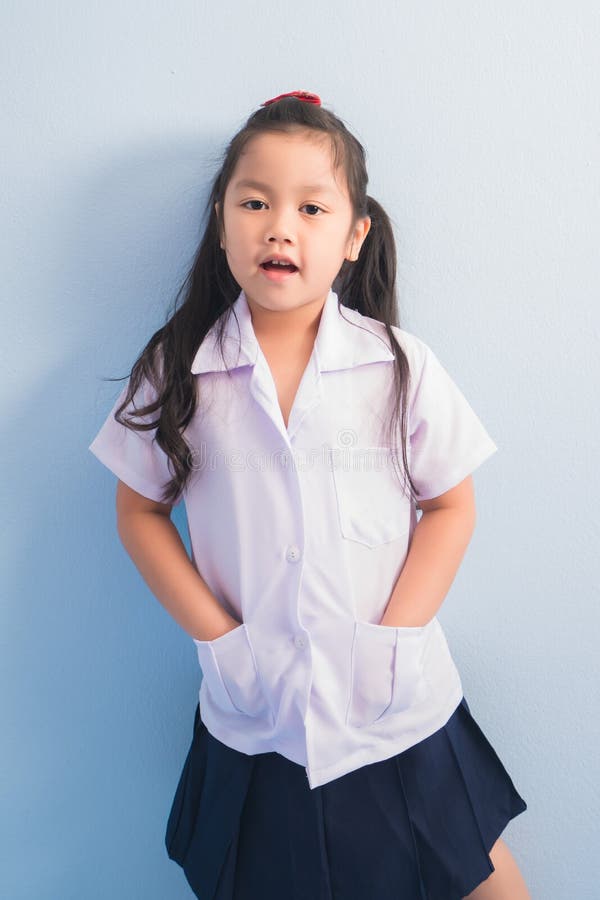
{"x": 344, "y": 339}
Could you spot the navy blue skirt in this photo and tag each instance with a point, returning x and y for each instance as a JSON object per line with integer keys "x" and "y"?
{"x": 419, "y": 825}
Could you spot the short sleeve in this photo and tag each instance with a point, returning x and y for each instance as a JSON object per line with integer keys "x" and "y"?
{"x": 134, "y": 456}
{"x": 447, "y": 439}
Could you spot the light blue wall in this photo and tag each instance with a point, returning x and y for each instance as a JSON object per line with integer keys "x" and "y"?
{"x": 482, "y": 124}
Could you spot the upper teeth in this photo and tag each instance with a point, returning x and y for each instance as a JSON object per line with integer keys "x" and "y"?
{"x": 280, "y": 262}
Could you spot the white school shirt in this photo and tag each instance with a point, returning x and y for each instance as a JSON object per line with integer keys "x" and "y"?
{"x": 301, "y": 533}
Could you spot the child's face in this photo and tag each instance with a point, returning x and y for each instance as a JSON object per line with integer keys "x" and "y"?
{"x": 312, "y": 227}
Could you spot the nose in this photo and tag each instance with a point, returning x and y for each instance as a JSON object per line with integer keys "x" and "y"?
{"x": 280, "y": 229}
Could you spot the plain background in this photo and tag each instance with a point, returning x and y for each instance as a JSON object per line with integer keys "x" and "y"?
{"x": 482, "y": 127}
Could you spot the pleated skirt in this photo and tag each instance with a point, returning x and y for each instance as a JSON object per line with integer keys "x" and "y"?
{"x": 417, "y": 826}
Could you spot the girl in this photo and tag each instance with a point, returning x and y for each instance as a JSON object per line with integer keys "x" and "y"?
{"x": 334, "y": 756}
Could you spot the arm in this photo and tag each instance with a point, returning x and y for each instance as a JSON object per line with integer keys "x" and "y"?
{"x": 155, "y": 546}
{"x": 438, "y": 545}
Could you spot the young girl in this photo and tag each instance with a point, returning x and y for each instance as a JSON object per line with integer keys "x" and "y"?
{"x": 334, "y": 756}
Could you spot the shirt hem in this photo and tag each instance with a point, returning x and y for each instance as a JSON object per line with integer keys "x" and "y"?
{"x": 318, "y": 777}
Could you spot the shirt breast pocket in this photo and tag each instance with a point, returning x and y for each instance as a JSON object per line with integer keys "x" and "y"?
{"x": 233, "y": 678}
{"x": 387, "y": 671}
{"x": 372, "y": 506}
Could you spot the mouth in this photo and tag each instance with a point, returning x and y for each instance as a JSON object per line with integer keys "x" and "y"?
{"x": 276, "y": 272}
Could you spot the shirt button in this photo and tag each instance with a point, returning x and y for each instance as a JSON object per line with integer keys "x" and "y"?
{"x": 293, "y": 553}
{"x": 300, "y": 641}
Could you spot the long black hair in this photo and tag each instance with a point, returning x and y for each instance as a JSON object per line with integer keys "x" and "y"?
{"x": 209, "y": 290}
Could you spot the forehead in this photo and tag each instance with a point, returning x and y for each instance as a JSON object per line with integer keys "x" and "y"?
{"x": 294, "y": 161}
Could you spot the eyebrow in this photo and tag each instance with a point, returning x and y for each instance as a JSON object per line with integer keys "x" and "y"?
{"x": 250, "y": 183}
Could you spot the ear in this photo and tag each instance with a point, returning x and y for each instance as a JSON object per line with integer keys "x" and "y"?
{"x": 359, "y": 233}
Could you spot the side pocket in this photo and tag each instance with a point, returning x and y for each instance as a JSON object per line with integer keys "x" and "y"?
{"x": 232, "y": 675}
{"x": 386, "y": 671}
{"x": 372, "y": 673}
{"x": 410, "y": 685}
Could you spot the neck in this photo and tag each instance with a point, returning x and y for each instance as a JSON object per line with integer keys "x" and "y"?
{"x": 286, "y": 327}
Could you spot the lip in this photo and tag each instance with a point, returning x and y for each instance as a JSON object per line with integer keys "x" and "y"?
{"x": 280, "y": 257}
{"x": 274, "y": 275}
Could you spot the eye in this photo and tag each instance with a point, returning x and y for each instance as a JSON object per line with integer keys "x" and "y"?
{"x": 312, "y": 206}
{"x": 251, "y": 201}
{"x": 306, "y": 206}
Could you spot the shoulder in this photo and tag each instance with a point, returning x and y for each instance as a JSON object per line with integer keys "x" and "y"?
{"x": 414, "y": 348}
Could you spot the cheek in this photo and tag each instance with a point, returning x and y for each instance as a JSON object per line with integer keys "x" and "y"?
{"x": 236, "y": 236}
{"x": 241, "y": 230}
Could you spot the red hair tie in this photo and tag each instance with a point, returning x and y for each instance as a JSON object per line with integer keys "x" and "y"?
{"x": 306, "y": 96}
